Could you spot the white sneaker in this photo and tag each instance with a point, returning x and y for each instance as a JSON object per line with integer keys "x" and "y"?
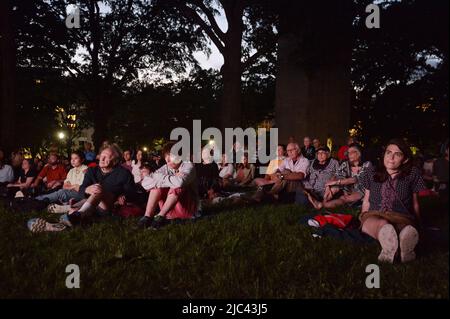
{"x": 409, "y": 237}
{"x": 313, "y": 223}
{"x": 19, "y": 194}
{"x": 389, "y": 243}
{"x": 58, "y": 209}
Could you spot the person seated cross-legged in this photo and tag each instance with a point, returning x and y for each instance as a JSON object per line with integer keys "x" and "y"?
{"x": 321, "y": 170}
{"x": 103, "y": 185}
{"x": 173, "y": 188}
{"x": 344, "y": 188}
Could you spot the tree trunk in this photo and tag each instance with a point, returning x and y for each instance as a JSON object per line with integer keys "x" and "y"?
{"x": 313, "y": 80}
{"x": 231, "y": 102}
{"x": 7, "y": 77}
{"x": 101, "y": 118}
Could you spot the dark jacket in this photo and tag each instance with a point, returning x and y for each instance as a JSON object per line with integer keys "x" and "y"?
{"x": 118, "y": 182}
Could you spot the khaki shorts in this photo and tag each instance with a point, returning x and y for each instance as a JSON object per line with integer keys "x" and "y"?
{"x": 287, "y": 186}
{"x": 398, "y": 220}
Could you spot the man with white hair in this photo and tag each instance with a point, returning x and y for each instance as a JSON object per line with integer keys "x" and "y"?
{"x": 103, "y": 185}
{"x": 288, "y": 176}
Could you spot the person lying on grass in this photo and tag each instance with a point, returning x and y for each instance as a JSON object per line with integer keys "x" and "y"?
{"x": 390, "y": 210}
{"x": 321, "y": 170}
{"x": 174, "y": 188}
{"x": 216, "y": 195}
{"x": 71, "y": 185}
{"x": 345, "y": 185}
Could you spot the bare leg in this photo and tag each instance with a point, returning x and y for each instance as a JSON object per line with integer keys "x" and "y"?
{"x": 153, "y": 199}
{"x": 106, "y": 201}
{"x": 345, "y": 199}
{"x": 372, "y": 226}
{"x": 317, "y": 204}
{"x": 334, "y": 203}
{"x": 170, "y": 203}
{"x": 102, "y": 200}
{"x": 262, "y": 181}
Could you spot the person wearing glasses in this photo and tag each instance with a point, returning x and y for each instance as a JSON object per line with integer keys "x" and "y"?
{"x": 345, "y": 188}
{"x": 287, "y": 178}
{"x": 321, "y": 170}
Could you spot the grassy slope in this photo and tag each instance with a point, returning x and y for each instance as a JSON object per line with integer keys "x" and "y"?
{"x": 250, "y": 252}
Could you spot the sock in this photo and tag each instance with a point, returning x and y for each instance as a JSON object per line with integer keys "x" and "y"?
{"x": 87, "y": 209}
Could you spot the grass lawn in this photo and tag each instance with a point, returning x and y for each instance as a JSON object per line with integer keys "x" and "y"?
{"x": 247, "y": 252}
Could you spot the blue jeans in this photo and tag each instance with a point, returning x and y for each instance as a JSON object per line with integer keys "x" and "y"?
{"x": 301, "y": 199}
{"x": 62, "y": 195}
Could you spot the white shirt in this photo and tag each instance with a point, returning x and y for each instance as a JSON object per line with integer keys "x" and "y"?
{"x": 6, "y": 174}
{"x": 300, "y": 166}
{"x": 274, "y": 164}
{"x": 76, "y": 175}
{"x": 166, "y": 177}
{"x": 136, "y": 171}
{"x": 228, "y": 169}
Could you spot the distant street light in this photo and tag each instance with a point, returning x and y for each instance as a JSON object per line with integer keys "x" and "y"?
{"x": 145, "y": 149}
{"x": 61, "y": 135}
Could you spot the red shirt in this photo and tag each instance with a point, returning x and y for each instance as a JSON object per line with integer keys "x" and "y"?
{"x": 53, "y": 174}
{"x": 342, "y": 153}
{"x": 93, "y": 164}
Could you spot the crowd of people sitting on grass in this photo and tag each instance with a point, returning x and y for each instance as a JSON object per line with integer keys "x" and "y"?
{"x": 166, "y": 187}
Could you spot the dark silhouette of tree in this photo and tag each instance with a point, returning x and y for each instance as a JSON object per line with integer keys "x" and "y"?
{"x": 7, "y": 76}
{"x": 241, "y": 45}
{"x": 400, "y": 74}
{"x": 153, "y": 110}
{"x": 313, "y": 75}
{"x": 116, "y": 40}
